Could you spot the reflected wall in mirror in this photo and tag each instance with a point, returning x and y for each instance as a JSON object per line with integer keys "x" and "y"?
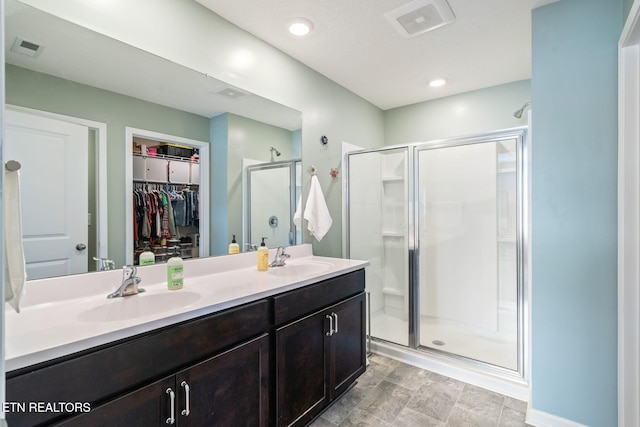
{"x": 87, "y": 76}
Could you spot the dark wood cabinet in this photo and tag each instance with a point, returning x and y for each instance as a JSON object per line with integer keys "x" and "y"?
{"x": 317, "y": 358}
{"x": 279, "y": 361}
{"x": 147, "y": 406}
{"x": 103, "y": 376}
{"x": 231, "y": 388}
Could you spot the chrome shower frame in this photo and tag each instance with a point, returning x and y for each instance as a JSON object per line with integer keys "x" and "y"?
{"x": 246, "y": 196}
{"x": 520, "y": 134}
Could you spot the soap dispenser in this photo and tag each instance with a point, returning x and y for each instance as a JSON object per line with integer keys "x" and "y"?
{"x": 175, "y": 270}
{"x": 234, "y": 247}
{"x": 147, "y": 257}
{"x": 263, "y": 256}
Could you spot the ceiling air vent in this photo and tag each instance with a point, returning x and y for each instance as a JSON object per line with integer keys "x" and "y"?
{"x": 230, "y": 92}
{"x": 25, "y": 47}
{"x": 420, "y": 16}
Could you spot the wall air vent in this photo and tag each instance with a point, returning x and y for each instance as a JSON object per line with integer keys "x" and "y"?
{"x": 25, "y": 47}
{"x": 229, "y": 92}
{"x": 419, "y": 16}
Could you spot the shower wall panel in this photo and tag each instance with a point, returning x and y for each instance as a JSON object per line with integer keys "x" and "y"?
{"x": 377, "y": 232}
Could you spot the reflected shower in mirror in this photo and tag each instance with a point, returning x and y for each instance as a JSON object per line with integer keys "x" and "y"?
{"x": 272, "y": 193}
{"x": 80, "y": 75}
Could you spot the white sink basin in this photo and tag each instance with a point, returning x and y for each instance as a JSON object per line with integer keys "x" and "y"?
{"x": 139, "y": 305}
{"x": 301, "y": 269}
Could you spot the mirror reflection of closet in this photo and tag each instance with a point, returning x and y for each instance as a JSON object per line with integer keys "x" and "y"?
{"x": 168, "y": 214}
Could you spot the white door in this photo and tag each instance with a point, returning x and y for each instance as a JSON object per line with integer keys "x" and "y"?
{"x": 54, "y": 191}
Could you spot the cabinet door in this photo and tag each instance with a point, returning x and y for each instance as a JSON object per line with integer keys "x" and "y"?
{"x": 178, "y": 172}
{"x": 147, "y": 406}
{"x": 301, "y": 370}
{"x": 347, "y": 346}
{"x": 139, "y": 168}
{"x": 194, "y": 178}
{"x": 156, "y": 170}
{"x": 231, "y": 389}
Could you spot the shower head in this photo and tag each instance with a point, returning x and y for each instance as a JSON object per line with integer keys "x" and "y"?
{"x": 273, "y": 150}
{"x": 518, "y": 114}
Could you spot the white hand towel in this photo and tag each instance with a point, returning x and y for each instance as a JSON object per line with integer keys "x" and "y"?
{"x": 15, "y": 274}
{"x": 297, "y": 216}
{"x": 316, "y": 211}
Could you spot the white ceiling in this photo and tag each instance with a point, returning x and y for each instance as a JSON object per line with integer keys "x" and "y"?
{"x": 354, "y": 44}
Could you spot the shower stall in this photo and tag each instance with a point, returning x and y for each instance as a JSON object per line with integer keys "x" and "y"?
{"x": 271, "y": 192}
{"x": 442, "y": 224}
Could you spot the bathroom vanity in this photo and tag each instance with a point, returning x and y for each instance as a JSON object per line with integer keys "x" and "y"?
{"x": 275, "y": 349}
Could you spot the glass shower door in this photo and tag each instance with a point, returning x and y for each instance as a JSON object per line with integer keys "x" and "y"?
{"x": 467, "y": 227}
{"x": 270, "y": 202}
{"x": 377, "y": 227}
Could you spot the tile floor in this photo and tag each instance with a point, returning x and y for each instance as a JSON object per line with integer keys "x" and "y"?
{"x": 392, "y": 393}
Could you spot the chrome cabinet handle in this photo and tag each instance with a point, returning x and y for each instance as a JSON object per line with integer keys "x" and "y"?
{"x": 186, "y": 411}
{"x": 172, "y": 397}
{"x": 335, "y": 316}
{"x": 328, "y": 316}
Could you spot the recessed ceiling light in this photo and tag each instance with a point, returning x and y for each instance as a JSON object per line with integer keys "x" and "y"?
{"x": 439, "y": 82}
{"x": 299, "y": 26}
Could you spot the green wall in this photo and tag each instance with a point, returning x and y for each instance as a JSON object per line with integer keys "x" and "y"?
{"x": 43, "y": 92}
{"x": 249, "y": 139}
{"x": 574, "y": 210}
{"x": 473, "y": 112}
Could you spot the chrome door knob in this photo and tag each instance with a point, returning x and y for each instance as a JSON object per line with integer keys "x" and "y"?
{"x": 81, "y": 246}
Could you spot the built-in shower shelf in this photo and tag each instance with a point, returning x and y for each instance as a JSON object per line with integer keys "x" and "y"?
{"x": 392, "y": 178}
{"x": 392, "y": 291}
{"x": 506, "y": 170}
{"x": 507, "y": 239}
{"x": 393, "y": 234}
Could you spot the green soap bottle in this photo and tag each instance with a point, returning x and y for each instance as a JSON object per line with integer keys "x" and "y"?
{"x": 175, "y": 270}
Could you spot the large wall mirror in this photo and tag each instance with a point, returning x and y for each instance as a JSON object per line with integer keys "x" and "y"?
{"x": 61, "y": 71}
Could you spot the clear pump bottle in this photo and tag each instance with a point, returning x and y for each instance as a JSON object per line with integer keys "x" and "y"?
{"x": 175, "y": 270}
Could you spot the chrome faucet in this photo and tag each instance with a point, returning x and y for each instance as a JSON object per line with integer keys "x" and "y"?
{"x": 280, "y": 259}
{"x": 129, "y": 284}
{"x": 252, "y": 247}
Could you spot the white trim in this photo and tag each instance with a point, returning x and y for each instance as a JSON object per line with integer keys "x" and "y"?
{"x": 629, "y": 221}
{"x": 205, "y": 209}
{"x": 542, "y": 419}
{"x": 102, "y": 239}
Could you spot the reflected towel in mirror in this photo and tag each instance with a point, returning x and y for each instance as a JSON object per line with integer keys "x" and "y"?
{"x": 15, "y": 273}
{"x": 297, "y": 216}
{"x": 316, "y": 211}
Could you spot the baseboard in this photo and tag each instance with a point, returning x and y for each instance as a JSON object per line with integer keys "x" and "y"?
{"x": 537, "y": 418}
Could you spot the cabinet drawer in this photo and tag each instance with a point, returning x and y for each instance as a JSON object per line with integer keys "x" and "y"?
{"x": 104, "y": 373}
{"x": 295, "y": 304}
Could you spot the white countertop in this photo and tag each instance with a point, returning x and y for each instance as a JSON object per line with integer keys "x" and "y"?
{"x": 61, "y": 316}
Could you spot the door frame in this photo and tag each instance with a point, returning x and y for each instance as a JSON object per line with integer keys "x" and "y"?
{"x": 205, "y": 208}
{"x": 629, "y": 220}
{"x": 102, "y": 240}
